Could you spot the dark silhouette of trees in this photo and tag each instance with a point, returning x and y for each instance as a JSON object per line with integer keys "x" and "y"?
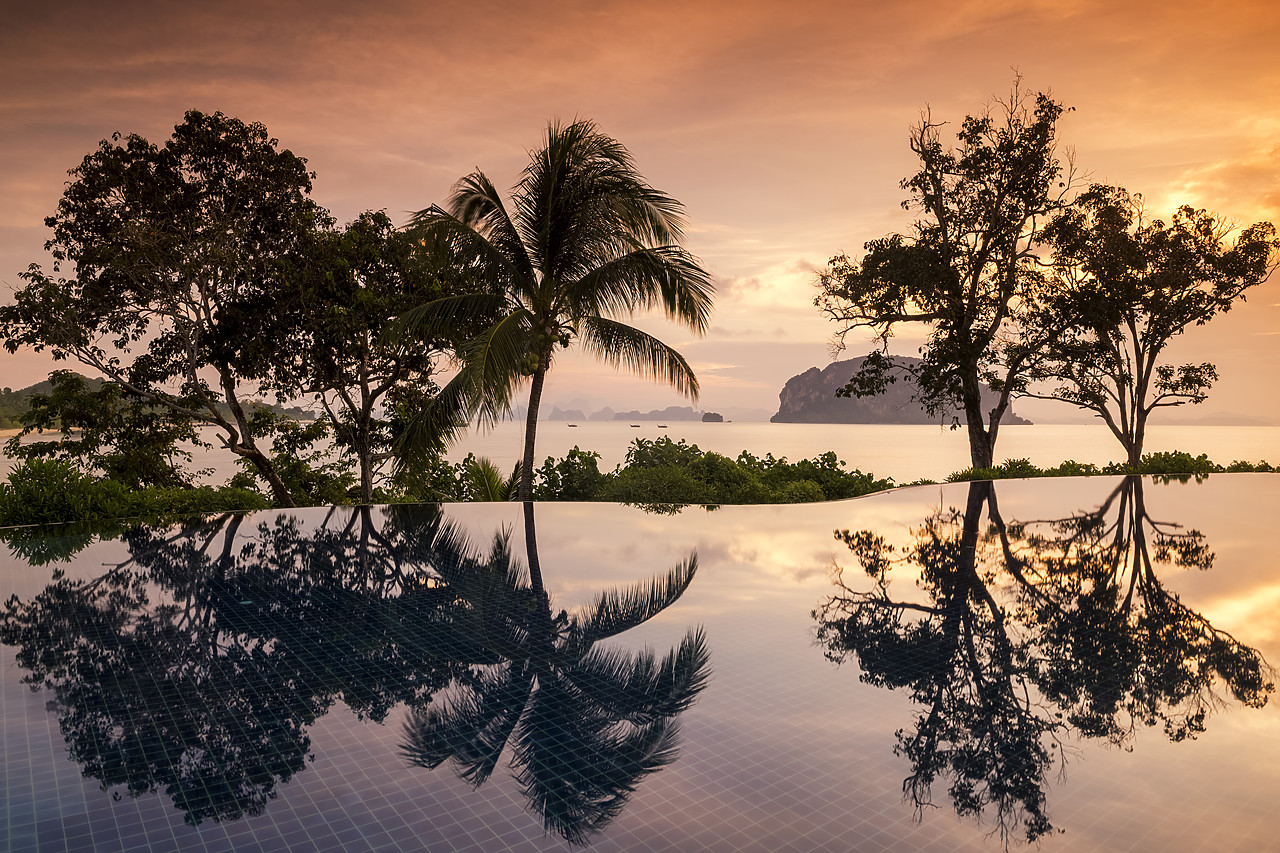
{"x": 1123, "y": 287}
{"x": 966, "y": 266}
{"x": 1030, "y": 632}
{"x": 584, "y": 240}
{"x": 196, "y": 667}
{"x": 586, "y": 723}
{"x": 178, "y": 254}
{"x": 339, "y": 350}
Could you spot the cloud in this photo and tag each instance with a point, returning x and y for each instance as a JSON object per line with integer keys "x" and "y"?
{"x": 1245, "y": 189}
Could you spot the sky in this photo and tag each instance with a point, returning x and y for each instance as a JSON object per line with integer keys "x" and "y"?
{"x": 782, "y": 127}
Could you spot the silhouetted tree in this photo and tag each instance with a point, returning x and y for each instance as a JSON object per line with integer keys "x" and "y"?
{"x": 966, "y": 266}
{"x": 585, "y": 241}
{"x": 1124, "y": 286}
{"x": 179, "y": 255}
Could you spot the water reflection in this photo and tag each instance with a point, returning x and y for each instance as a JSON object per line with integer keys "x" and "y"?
{"x": 587, "y": 723}
{"x": 195, "y": 666}
{"x": 1026, "y": 634}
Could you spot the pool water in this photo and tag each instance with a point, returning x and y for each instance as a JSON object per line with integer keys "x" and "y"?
{"x": 1078, "y": 664}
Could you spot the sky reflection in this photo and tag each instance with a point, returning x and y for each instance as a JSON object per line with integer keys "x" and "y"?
{"x": 783, "y": 749}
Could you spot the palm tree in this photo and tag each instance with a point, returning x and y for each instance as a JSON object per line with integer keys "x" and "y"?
{"x": 583, "y": 241}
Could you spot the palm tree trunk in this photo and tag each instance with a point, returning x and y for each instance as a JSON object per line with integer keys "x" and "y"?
{"x": 531, "y": 430}
{"x": 531, "y": 550}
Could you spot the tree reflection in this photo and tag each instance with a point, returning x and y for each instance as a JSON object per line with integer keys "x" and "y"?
{"x": 1026, "y": 633}
{"x": 586, "y": 723}
{"x": 196, "y": 666}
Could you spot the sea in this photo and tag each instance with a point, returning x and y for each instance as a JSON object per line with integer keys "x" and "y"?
{"x": 903, "y": 452}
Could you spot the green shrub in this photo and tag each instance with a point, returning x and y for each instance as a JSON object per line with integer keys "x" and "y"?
{"x": 576, "y": 477}
{"x": 40, "y": 491}
{"x": 668, "y": 484}
{"x": 48, "y": 491}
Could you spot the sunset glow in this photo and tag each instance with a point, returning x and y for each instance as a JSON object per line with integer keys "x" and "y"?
{"x": 781, "y": 127}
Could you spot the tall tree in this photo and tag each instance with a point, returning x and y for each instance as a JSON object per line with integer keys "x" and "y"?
{"x": 1124, "y": 286}
{"x": 966, "y": 264}
{"x": 177, "y": 255}
{"x": 584, "y": 241}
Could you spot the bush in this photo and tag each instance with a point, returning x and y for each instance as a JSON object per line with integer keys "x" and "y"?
{"x": 41, "y": 491}
{"x": 576, "y": 477}
{"x": 662, "y": 471}
{"x": 47, "y": 491}
{"x": 1161, "y": 464}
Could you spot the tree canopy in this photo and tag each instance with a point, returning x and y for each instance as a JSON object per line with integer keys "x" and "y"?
{"x": 1123, "y": 287}
{"x": 177, "y": 253}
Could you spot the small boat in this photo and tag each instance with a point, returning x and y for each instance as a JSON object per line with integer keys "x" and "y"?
{"x": 636, "y": 426}
{"x": 662, "y": 426}
{"x": 573, "y": 425}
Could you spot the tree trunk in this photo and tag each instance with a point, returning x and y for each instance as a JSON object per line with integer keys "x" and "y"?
{"x": 247, "y": 445}
{"x": 1134, "y": 444}
{"x": 980, "y": 449}
{"x": 531, "y": 430}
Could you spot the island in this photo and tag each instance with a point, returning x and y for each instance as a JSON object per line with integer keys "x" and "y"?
{"x": 810, "y": 398}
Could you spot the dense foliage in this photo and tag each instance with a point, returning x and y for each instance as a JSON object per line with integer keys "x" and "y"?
{"x": 1123, "y": 287}
{"x": 44, "y": 491}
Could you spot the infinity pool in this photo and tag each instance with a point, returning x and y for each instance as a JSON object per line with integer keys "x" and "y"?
{"x": 1079, "y": 664}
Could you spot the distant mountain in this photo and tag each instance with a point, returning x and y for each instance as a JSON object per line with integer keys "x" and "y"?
{"x": 14, "y": 403}
{"x": 558, "y": 414}
{"x": 670, "y": 413}
{"x": 810, "y": 398}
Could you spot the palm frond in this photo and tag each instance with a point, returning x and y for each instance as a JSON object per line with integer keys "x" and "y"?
{"x": 430, "y": 430}
{"x": 665, "y": 277}
{"x": 485, "y": 482}
{"x": 640, "y": 353}
{"x": 615, "y": 611}
{"x": 471, "y": 728}
{"x": 634, "y": 687}
{"x": 582, "y": 201}
{"x": 457, "y": 252}
{"x": 440, "y": 319}
{"x": 578, "y": 769}
{"x": 476, "y": 203}
{"x": 494, "y": 362}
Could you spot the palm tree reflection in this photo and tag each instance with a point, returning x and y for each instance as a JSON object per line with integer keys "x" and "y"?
{"x": 197, "y": 666}
{"x": 1030, "y": 632}
{"x": 586, "y": 723}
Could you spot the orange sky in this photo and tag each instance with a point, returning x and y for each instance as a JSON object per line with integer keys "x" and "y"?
{"x": 781, "y": 126}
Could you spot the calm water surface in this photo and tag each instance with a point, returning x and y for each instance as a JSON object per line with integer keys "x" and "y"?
{"x": 1083, "y": 661}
